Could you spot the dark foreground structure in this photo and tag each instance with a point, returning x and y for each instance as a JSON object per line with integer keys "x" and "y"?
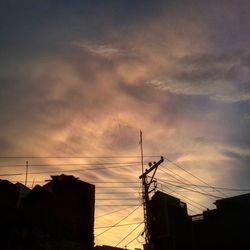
{"x": 105, "y": 247}
{"x": 58, "y": 215}
{"x": 226, "y": 227}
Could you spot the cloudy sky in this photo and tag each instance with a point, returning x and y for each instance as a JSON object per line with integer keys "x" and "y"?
{"x": 82, "y": 78}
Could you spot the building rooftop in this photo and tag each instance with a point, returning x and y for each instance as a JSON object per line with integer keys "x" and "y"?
{"x": 235, "y": 201}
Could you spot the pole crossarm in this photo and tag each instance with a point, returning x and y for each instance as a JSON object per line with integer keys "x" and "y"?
{"x": 145, "y": 195}
{"x": 152, "y": 168}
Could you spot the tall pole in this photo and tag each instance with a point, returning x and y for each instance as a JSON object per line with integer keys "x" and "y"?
{"x": 145, "y": 198}
{"x": 145, "y": 194}
{"x": 142, "y": 168}
{"x": 26, "y": 175}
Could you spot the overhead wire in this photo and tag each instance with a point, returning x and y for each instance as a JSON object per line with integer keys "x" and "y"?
{"x": 127, "y": 205}
{"x": 117, "y": 223}
{"x": 216, "y": 187}
{"x": 117, "y": 205}
{"x": 169, "y": 182}
{"x": 115, "y": 182}
{"x": 116, "y": 211}
{"x": 197, "y": 203}
{"x": 66, "y": 171}
{"x": 116, "y": 199}
{"x": 12, "y": 174}
{"x": 118, "y": 187}
{"x": 129, "y": 234}
{"x": 136, "y": 238}
{"x": 191, "y": 190}
{"x": 121, "y": 225}
{"x": 196, "y": 177}
{"x": 180, "y": 178}
{"x": 68, "y": 164}
{"x": 112, "y": 163}
{"x": 77, "y": 157}
{"x": 131, "y": 192}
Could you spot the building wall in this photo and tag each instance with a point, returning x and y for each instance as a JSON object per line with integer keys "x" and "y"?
{"x": 64, "y": 209}
{"x": 168, "y": 223}
{"x": 8, "y": 196}
{"x": 59, "y": 214}
{"x": 227, "y": 227}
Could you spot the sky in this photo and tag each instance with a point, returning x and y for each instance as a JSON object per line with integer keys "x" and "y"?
{"x": 82, "y": 78}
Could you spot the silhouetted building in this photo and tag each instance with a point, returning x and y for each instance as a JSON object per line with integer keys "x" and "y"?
{"x": 10, "y": 216}
{"x": 9, "y": 194}
{"x": 105, "y": 247}
{"x": 226, "y": 227}
{"x": 58, "y": 215}
{"x": 168, "y": 223}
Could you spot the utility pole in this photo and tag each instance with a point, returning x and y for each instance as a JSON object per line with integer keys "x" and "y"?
{"x": 26, "y": 175}
{"x": 145, "y": 193}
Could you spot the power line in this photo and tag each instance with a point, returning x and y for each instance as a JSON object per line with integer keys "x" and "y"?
{"x": 80, "y": 169}
{"x": 169, "y": 182}
{"x": 191, "y": 210}
{"x": 11, "y": 174}
{"x": 118, "y": 222}
{"x": 117, "y": 205}
{"x": 180, "y": 167}
{"x": 116, "y": 211}
{"x": 203, "y": 207}
{"x": 135, "y": 239}
{"x": 29, "y": 181}
{"x": 121, "y": 225}
{"x": 174, "y": 176}
{"x": 115, "y": 192}
{"x": 69, "y": 164}
{"x": 118, "y": 187}
{"x": 115, "y": 181}
{"x": 72, "y": 170}
{"x": 222, "y": 188}
{"x": 116, "y": 199}
{"x": 76, "y": 157}
{"x": 12, "y": 165}
{"x": 191, "y": 190}
{"x": 129, "y": 234}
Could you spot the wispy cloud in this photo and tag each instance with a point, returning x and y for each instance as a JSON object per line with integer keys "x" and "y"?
{"x": 104, "y": 50}
{"x": 219, "y": 77}
{"x": 81, "y": 81}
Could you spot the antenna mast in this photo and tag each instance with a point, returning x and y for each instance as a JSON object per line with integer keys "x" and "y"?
{"x": 26, "y": 173}
{"x": 142, "y": 168}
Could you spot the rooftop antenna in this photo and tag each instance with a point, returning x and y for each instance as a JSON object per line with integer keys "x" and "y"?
{"x": 33, "y": 183}
{"x": 142, "y": 168}
{"x": 26, "y": 174}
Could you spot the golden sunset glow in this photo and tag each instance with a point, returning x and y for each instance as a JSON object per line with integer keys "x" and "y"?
{"x": 82, "y": 79}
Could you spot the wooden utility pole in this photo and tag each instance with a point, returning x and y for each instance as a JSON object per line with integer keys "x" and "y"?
{"x": 145, "y": 194}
